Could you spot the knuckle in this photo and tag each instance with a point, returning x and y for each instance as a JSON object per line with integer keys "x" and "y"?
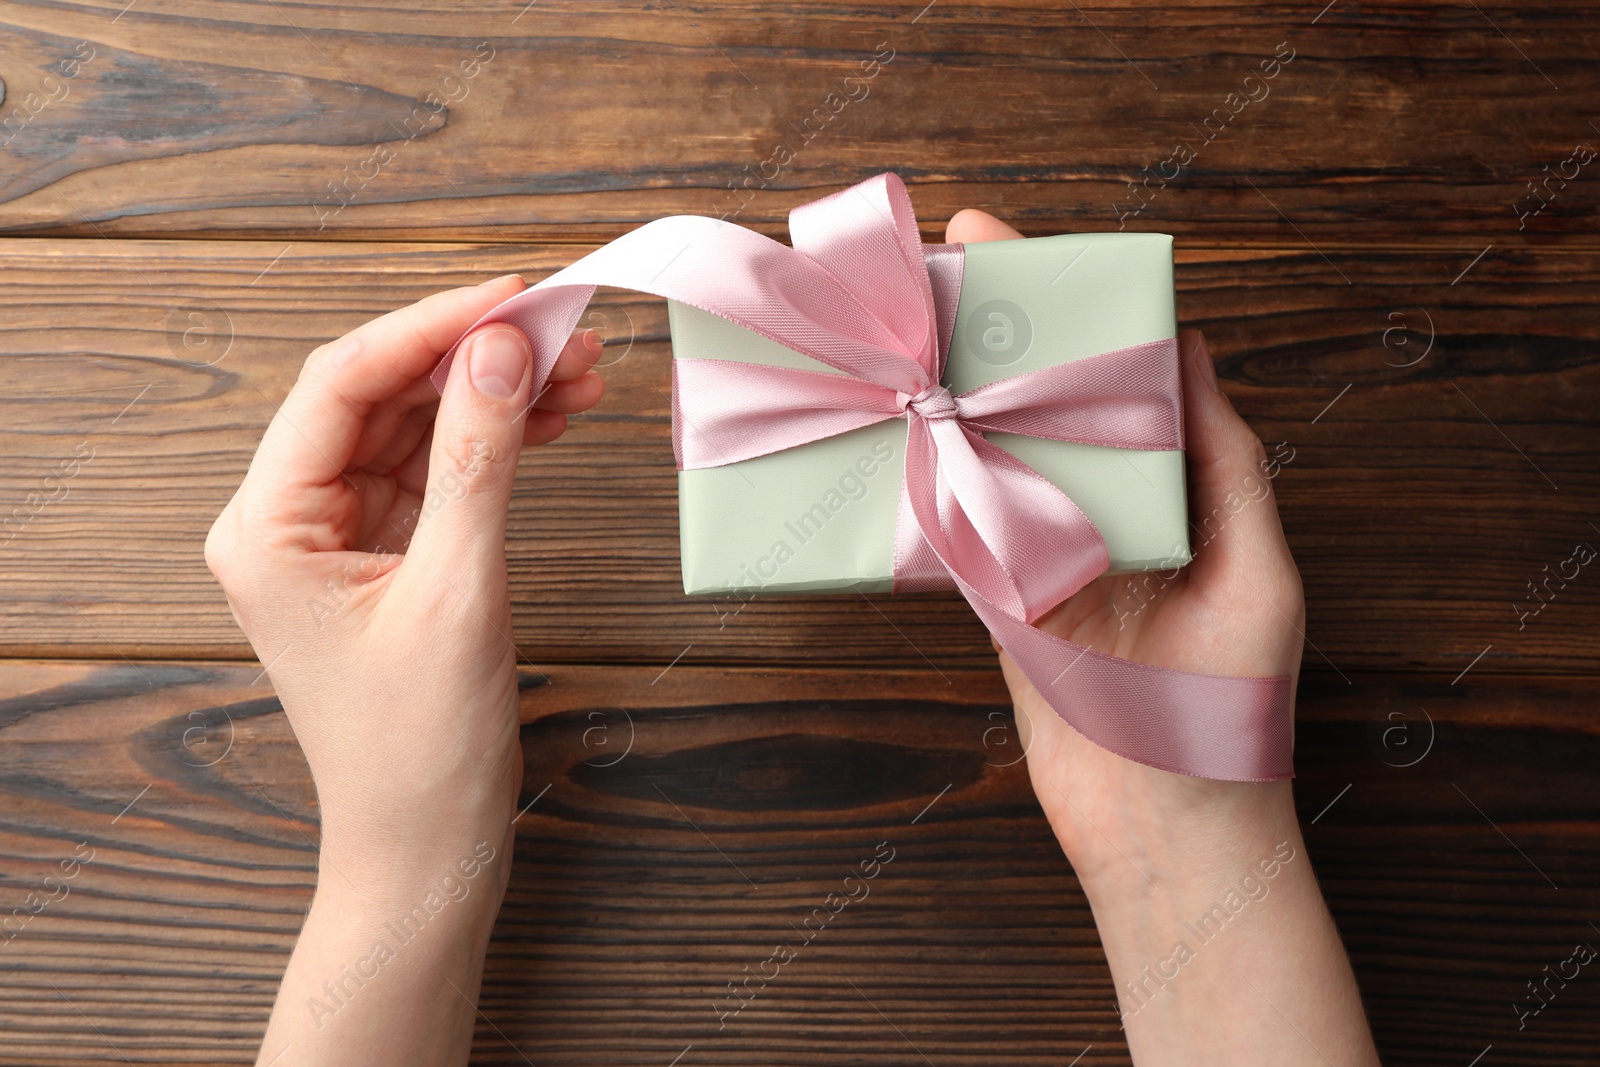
{"x": 220, "y": 551}
{"x": 331, "y": 354}
{"x": 1254, "y": 451}
{"x": 317, "y": 360}
{"x": 474, "y": 462}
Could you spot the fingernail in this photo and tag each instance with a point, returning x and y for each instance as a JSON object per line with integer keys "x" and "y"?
{"x": 502, "y": 278}
{"x": 497, "y": 360}
{"x": 593, "y": 341}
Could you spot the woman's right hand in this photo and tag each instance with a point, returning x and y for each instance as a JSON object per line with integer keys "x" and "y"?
{"x": 1157, "y": 852}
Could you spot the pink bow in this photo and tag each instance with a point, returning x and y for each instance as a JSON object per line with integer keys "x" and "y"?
{"x": 855, "y": 294}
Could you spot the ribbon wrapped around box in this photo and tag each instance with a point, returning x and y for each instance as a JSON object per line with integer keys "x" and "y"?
{"x": 832, "y": 514}
{"x": 852, "y": 338}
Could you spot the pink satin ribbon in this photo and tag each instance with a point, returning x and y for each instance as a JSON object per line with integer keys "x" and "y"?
{"x": 856, "y": 292}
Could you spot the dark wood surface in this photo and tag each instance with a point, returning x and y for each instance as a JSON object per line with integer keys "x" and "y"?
{"x": 1455, "y": 876}
{"x": 1393, "y": 123}
{"x": 1359, "y": 246}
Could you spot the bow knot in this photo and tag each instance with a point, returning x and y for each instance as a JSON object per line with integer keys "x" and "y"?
{"x": 934, "y": 402}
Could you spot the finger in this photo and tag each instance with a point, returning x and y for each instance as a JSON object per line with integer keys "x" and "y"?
{"x": 579, "y": 354}
{"x": 1234, "y": 510}
{"x": 971, "y": 226}
{"x": 315, "y": 434}
{"x": 395, "y": 428}
{"x": 411, "y": 473}
{"x": 390, "y": 440}
{"x": 477, "y": 437}
{"x": 569, "y": 398}
{"x": 543, "y": 427}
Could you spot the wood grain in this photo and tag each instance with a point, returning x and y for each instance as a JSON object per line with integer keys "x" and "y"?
{"x": 1400, "y": 123}
{"x": 679, "y": 840}
{"x": 1420, "y": 500}
{"x": 1391, "y": 250}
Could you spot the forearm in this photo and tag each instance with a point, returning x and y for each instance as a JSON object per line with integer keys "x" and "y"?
{"x": 389, "y": 961}
{"x": 1220, "y": 945}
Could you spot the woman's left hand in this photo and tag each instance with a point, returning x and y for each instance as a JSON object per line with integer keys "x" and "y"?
{"x": 364, "y": 558}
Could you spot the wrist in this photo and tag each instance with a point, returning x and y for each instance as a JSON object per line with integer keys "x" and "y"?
{"x": 458, "y": 875}
{"x": 1167, "y": 832}
{"x": 1167, "y": 873}
{"x": 402, "y": 833}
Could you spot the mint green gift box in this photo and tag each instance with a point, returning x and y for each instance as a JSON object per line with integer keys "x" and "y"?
{"x": 821, "y": 517}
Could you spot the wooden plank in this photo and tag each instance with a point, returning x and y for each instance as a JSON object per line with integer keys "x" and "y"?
{"x": 1394, "y": 122}
{"x": 1420, "y": 500}
{"x": 184, "y": 781}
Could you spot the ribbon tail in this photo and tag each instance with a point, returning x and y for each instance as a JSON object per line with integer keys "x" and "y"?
{"x": 1203, "y": 725}
{"x": 1012, "y": 531}
{"x": 735, "y": 274}
{"x": 546, "y": 314}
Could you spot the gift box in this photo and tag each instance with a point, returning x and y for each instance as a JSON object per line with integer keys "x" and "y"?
{"x": 821, "y": 516}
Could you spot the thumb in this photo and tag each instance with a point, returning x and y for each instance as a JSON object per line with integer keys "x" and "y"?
{"x": 472, "y": 463}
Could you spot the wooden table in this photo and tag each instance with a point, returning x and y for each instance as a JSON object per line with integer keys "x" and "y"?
{"x": 196, "y": 195}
